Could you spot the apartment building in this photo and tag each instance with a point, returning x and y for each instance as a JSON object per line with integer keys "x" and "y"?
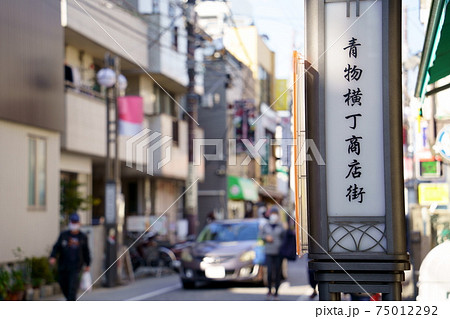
{"x": 152, "y": 50}
{"x": 31, "y": 123}
{"x": 53, "y": 114}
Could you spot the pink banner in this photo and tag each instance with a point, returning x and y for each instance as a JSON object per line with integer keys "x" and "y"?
{"x": 131, "y": 115}
{"x": 131, "y": 109}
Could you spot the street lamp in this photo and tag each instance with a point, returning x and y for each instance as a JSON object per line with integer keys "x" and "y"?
{"x": 106, "y": 77}
{"x": 111, "y": 79}
{"x": 123, "y": 83}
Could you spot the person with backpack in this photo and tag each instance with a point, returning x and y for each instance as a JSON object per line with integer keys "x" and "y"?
{"x": 273, "y": 234}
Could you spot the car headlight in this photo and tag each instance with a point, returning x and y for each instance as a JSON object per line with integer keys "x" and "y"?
{"x": 186, "y": 255}
{"x": 248, "y": 256}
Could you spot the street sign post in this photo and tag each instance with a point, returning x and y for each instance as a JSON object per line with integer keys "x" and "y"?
{"x": 353, "y": 116}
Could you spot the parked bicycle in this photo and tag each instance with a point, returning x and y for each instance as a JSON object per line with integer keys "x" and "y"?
{"x": 148, "y": 252}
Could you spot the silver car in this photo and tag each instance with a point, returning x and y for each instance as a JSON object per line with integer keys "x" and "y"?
{"x": 223, "y": 251}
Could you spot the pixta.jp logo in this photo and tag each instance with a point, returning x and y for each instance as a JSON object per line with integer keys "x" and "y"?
{"x": 149, "y": 148}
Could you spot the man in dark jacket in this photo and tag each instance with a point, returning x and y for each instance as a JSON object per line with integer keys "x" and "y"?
{"x": 72, "y": 251}
{"x": 273, "y": 235}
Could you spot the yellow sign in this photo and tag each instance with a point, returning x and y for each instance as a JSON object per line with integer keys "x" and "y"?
{"x": 282, "y": 93}
{"x": 430, "y": 193}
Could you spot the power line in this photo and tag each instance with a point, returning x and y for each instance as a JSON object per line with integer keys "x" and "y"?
{"x": 144, "y": 36}
{"x": 156, "y": 40}
{"x": 164, "y": 31}
{"x": 119, "y": 4}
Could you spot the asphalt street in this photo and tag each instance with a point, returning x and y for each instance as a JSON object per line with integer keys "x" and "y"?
{"x": 168, "y": 288}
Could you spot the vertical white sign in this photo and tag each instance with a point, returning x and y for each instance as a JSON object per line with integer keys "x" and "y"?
{"x": 354, "y": 110}
{"x": 110, "y": 203}
{"x": 354, "y": 124}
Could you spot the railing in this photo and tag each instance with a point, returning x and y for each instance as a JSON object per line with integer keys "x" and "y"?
{"x": 84, "y": 89}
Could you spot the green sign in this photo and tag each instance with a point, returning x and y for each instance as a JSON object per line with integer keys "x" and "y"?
{"x": 430, "y": 169}
{"x": 242, "y": 189}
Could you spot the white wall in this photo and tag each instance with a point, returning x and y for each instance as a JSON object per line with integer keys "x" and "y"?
{"x": 33, "y": 231}
{"x": 177, "y": 167}
{"x": 216, "y": 26}
{"x": 85, "y": 124}
{"x": 146, "y": 91}
{"x": 75, "y": 163}
{"x": 163, "y": 59}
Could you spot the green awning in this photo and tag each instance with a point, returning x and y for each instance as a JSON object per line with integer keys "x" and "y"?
{"x": 435, "y": 60}
{"x": 240, "y": 188}
{"x": 441, "y": 65}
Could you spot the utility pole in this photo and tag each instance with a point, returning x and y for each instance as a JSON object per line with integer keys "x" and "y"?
{"x": 192, "y": 105}
{"x": 114, "y": 217}
{"x": 111, "y": 174}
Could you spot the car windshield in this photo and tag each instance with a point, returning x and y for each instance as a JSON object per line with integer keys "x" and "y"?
{"x": 229, "y": 232}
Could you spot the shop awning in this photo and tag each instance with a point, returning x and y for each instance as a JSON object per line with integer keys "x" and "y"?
{"x": 435, "y": 61}
{"x": 240, "y": 188}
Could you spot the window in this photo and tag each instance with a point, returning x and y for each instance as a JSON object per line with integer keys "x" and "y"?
{"x": 173, "y": 28}
{"x": 164, "y": 102}
{"x": 175, "y": 38}
{"x": 37, "y": 172}
{"x": 228, "y": 232}
{"x": 175, "y": 131}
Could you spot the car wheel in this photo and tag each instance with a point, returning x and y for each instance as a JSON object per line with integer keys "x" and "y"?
{"x": 188, "y": 284}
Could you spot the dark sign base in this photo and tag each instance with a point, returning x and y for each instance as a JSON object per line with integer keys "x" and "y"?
{"x": 353, "y": 256}
{"x": 362, "y": 276}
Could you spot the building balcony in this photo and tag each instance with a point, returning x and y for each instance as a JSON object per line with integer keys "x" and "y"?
{"x": 85, "y": 123}
{"x": 168, "y": 68}
{"x": 107, "y": 26}
{"x": 167, "y": 52}
{"x": 85, "y": 133}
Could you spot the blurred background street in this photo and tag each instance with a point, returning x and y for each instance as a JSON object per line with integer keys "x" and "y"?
{"x": 168, "y": 288}
{"x": 158, "y": 130}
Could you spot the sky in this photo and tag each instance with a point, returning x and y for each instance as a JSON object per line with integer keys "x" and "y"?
{"x": 282, "y": 22}
{"x": 415, "y": 35}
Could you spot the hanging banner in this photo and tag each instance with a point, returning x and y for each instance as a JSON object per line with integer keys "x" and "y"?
{"x": 131, "y": 115}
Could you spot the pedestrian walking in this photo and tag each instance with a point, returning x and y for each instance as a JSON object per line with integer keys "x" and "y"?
{"x": 273, "y": 235}
{"x": 72, "y": 253}
{"x": 263, "y": 212}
